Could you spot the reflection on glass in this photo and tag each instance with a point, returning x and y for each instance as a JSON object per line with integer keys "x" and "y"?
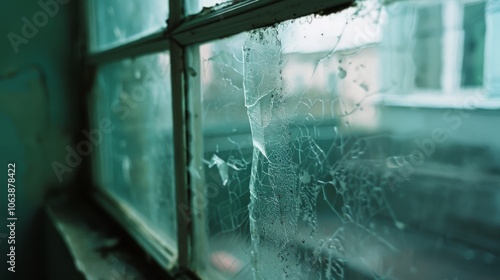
{"x": 116, "y": 22}
{"x": 133, "y": 97}
{"x": 331, "y": 153}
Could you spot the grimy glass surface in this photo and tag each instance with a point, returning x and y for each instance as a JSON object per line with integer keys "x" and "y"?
{"x": 115, "y": 22}
{"x": 331, "y": 153}
{"x": 133, "y": 97}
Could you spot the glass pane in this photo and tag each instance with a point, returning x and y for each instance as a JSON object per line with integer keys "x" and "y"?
{"x": 428, "y": 34}
{"x": 474, "y": 33}
{"x": 114, "y": 22}
{"x": 227, "y": 161}
{"x": 492, "y": 60}
{"x": 132, "y": 112}
{"x": 311, "y": 173}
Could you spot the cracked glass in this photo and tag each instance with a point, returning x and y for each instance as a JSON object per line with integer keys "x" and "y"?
{"x": 310, "y": 169}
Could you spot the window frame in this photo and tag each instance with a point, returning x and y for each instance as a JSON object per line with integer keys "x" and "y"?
{"x": 182, "y": 32}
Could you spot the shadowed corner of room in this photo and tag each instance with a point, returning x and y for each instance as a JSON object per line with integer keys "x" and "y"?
{"x": 41, "y": 115}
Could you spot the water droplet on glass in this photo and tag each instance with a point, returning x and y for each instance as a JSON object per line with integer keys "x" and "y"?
{"x": 342, "y": 73}
{"x": 488, "y": 258}
{"x": 364, "y": 86}
{"x": 192, "y": 72}
{"x": 469, "y": 255}
{"x": 400, "y": 225}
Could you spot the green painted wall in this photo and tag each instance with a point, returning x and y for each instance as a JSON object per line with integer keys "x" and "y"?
{"x": 37, "y": 118}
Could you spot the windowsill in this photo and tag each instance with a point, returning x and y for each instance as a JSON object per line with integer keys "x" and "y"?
{"x": 465, "y": 99}
{"x": 162, "y": 249}
{"x": 99, "y": 247}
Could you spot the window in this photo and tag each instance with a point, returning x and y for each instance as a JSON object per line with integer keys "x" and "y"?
{"x": 115, "y": 22}
{"x": 427, "y": 50}
{"x": 446, "y": 40}
{"x": 474, "y": 36}
{"x": 251, "y": 141}
{"x": 132, "y": 98}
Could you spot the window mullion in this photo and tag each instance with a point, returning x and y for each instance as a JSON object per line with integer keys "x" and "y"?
{"x": 179, "y": 139}
{"x": 199, "y": 215}
{"x": 153, "y": 43}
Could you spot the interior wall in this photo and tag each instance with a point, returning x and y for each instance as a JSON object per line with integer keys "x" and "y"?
{"x": 40, "y": 112}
